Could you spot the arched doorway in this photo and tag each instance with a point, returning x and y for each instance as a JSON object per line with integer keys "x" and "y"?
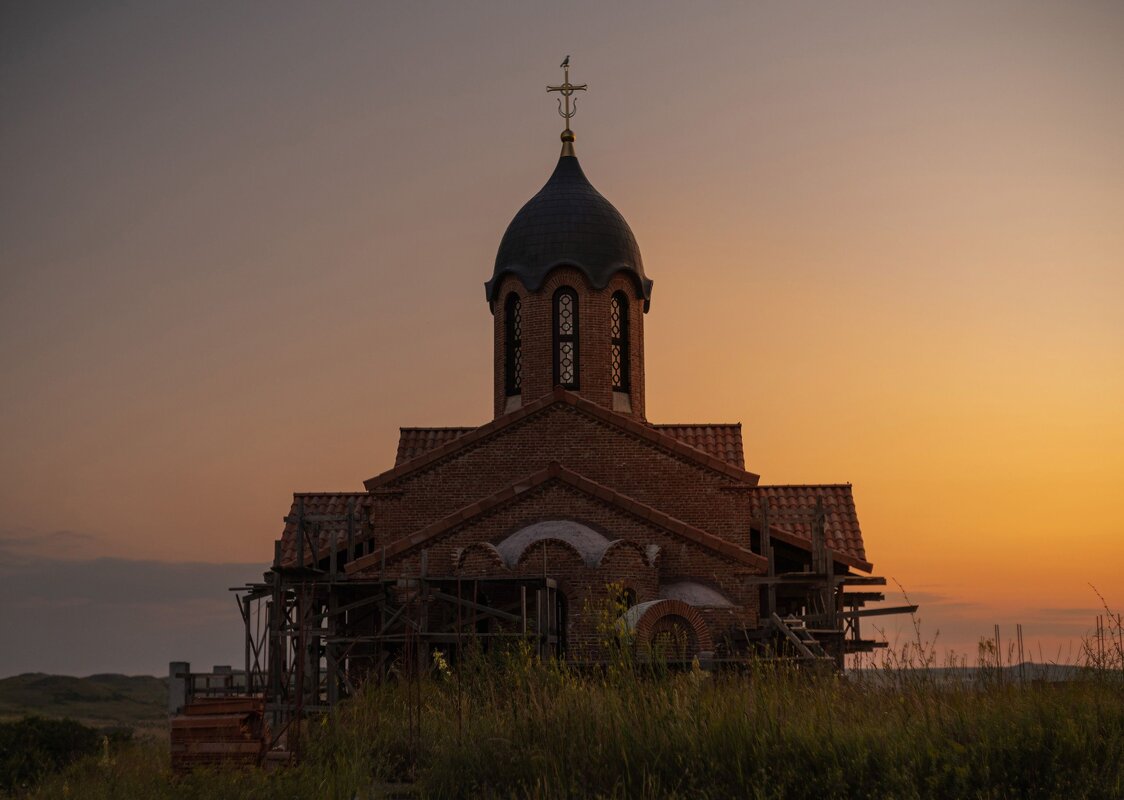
{"x": 667, "y": 630}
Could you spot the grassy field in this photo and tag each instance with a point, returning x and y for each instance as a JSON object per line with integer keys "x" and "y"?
{"x": 525, "y": 729}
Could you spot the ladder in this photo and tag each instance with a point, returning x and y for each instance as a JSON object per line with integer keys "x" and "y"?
{"x": 801, "y": 638}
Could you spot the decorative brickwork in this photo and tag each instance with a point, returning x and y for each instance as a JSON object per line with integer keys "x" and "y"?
{"x": 648, "y": 621}
{"x": 477, "y": 560}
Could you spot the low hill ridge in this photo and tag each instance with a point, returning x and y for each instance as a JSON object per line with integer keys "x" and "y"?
{"x": 103, "y": 699}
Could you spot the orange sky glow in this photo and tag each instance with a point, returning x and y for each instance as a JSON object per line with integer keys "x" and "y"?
{"x": 240, "y": 247}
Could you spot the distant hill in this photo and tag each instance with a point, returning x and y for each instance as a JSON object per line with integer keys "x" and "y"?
{"x": 135, "y": 701}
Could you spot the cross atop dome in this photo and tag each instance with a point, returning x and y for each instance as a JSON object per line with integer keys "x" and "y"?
{"x": 566, "y": 89}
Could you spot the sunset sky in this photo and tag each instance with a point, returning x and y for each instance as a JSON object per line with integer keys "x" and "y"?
{"x": 241, "y": 244}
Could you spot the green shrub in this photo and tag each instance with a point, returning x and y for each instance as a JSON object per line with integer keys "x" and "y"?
{"x": 34, "y": 747}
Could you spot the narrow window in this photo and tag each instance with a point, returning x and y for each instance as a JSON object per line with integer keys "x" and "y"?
{"x": 618, "y": 327}
{"x": 513, "y": 345}
{"x": 566, "y": 338}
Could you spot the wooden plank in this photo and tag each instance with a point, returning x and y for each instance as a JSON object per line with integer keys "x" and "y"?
{"x": 224, "y": 705}
{"x": 782, "y": 626}
{"x": 788, "y": 578}
{"x": 209, "y": 721}
{"x": 493, "y": 612}
{"x": 858, "y": 598}
{"x": 860, "y": 580}
{"x": 879, "y": 612}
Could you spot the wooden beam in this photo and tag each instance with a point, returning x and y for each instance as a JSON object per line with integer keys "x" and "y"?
{"x": 494, "y": 612}
{"x": 782, "y": 626}
{"x": 858, "y": 598}
{"x": 860, "y": 580}
{"x": 351, "y": 606}
{"x": 879, "y": 612}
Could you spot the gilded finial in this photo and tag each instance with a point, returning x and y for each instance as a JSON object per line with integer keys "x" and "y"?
{"x": 565, "y": 111}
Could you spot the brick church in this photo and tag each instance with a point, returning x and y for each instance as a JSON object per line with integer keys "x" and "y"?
{"x": 526, "y": 523}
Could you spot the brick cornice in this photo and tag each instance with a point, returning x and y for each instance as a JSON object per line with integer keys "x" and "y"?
{"x": 556, "y": 473}
{"x": 562, "y": 397}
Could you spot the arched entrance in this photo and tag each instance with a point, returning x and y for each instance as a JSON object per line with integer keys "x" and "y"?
{"x": 668, "y": 630}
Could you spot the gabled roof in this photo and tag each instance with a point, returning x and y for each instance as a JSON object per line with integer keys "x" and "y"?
{"x": 654, "y": 435}
{"x": 324, "y": 514}
{"x": 723, "y": 441}
{"x": 791, "y": 510}
{"x": 555, "y": 472}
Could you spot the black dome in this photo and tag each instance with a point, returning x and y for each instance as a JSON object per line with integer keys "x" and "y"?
{"x": 568, "y": 223}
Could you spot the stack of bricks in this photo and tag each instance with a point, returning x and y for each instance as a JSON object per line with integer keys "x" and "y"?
{"x": 219, "y": 732}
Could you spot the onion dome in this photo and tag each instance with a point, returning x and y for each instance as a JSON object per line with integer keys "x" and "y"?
{"x": 568, "y": 223}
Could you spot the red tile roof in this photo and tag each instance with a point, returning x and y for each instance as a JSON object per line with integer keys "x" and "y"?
{"x": 841, "y": 522}
{"x": 413, "y": 442}
{"x": 315, "y": 507}
{"x": 720, "y": 441}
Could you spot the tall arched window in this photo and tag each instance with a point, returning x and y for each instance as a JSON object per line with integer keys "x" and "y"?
{"x": 513, "y": 345}
{"x": 566, "y": 338}
{"x": 618, "y": 340}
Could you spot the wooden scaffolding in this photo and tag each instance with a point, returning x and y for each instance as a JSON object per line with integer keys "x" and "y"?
{"x": 312, "y": 638}
{"x": 806, "y": 608}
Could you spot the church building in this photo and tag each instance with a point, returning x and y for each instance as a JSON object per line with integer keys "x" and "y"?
{"x": 569, "y": 523}
{"x": 570, "y": 501}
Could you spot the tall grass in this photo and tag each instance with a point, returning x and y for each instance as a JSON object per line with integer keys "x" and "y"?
{"x": 528, "y": 729}
{"x": 509, "y": 725}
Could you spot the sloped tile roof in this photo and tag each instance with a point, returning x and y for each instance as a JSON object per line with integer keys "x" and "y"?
{"x": 720, "y": 441}
{"x": 413, "y": 442}
{"x": 798, "y": 503}
{"x": 315, "y": 506}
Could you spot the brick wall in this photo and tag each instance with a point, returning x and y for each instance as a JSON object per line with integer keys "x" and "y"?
{"x": 468, "y": 550}
{"x": 601, "y": 452}
{"x": 595, "y": 363}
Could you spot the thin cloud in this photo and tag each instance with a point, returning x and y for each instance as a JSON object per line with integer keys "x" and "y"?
{"x": 21, "y": 543}
{"x": 1066, "y": 613}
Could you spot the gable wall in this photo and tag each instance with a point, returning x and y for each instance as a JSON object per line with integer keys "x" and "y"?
{"x": 597, "y": 451}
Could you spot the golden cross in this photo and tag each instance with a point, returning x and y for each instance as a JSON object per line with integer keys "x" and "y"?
{"x": 567, "y": 89}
